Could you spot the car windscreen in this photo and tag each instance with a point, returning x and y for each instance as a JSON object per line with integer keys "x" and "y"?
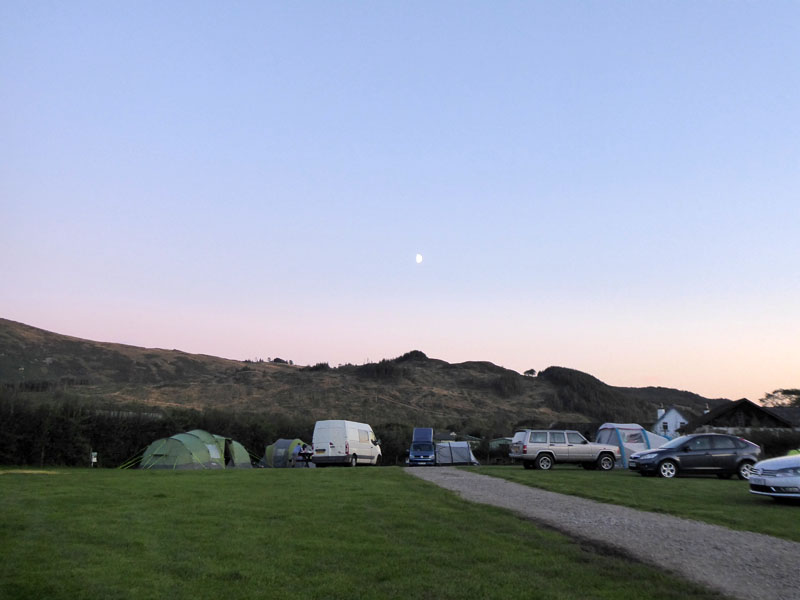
{"x": 422, "y": 447}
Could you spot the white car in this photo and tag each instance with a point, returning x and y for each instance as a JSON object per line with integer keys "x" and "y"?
{"x": 777, "y": 477}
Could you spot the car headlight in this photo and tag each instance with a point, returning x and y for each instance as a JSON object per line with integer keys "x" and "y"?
{"x": 790, "y": 472}
{"x": 648, "y": 456}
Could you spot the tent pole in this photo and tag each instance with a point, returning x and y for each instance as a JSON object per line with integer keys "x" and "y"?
{"x": 621, "y": 448}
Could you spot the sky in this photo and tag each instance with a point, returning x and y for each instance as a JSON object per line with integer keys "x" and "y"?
{"x": 607, "y": 186}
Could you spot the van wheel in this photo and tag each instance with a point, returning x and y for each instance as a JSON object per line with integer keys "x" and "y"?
{"x": 544, "y": 462}
{"x": 378, "y": 460}
{"x": 353, "y": 460}
{"x": 605, "y": 462}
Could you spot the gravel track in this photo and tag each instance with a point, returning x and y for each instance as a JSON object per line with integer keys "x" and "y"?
{"x": 740, "y": 564}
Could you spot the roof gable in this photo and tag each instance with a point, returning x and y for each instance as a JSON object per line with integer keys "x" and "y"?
{"x": 740, "y": 413}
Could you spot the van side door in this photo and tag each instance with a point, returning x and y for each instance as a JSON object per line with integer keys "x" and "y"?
{"x": 365, "y": 447}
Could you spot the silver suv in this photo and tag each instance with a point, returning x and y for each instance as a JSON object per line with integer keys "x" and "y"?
{"x": 542, "y": 448}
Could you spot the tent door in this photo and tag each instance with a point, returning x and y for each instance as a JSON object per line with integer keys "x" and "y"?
{"x": 228, "y": 454}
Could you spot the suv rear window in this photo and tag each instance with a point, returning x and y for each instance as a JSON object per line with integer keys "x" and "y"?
{"x": 538, "y": 437}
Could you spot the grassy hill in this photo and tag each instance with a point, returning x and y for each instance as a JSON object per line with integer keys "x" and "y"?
{"x": 411, "y": 389}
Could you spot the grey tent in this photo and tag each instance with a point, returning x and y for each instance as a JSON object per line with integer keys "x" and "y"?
{"x": 455, "y": 453}
{"x": 283, "y": 454}
{"x": 629, "y": 437}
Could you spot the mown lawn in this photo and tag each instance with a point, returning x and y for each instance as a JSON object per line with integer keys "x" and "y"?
{"x": 321, "y": 533}
{"x": 723, "y": 502}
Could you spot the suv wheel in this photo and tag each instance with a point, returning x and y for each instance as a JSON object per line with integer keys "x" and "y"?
{"x": 605, "y": 462}
{"x": 745, "y": 470}
{"x": 544, "y": 462}
{"x": 668, "y": 469}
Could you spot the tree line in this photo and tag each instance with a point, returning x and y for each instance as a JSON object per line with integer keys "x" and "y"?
{"x": 63, "y": 430}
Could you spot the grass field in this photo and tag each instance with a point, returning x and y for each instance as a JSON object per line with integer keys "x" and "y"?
{"x": 316, "y": 533}
{"x": 722, "y": 502}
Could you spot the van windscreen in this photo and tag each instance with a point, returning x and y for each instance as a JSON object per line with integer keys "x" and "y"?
{"x": 422, "y": 447}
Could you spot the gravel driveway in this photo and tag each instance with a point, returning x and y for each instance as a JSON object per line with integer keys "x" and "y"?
{"x": 740, "y": 564}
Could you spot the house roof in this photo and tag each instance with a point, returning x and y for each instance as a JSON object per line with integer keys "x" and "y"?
{"x": 731, "y": 407}
{"x": 790, "y": 413}
{"x": 667, "y": 410}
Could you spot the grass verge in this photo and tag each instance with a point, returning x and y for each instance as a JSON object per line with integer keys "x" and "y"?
{"x": 724, "y": 502}
{"x": 321, "y": 533}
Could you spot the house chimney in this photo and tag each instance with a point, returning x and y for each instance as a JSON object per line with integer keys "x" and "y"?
{"x": 660, "y": 413}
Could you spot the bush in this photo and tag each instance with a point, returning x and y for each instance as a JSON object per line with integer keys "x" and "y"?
{"x": 384, "y": 370}
{"x": 413, "y": 355}
{"x": 773, "y": 443}
{"x": 507, "y": 385}
{"x": 322, "y": 366}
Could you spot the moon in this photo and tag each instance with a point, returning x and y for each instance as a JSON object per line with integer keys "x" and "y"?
{"x": 419, "y": 258}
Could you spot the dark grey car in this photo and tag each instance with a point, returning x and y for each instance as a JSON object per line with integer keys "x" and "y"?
{"x": 699, "y": 454}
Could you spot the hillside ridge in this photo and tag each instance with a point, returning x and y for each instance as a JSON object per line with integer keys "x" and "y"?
{"x": 409, "y": 389}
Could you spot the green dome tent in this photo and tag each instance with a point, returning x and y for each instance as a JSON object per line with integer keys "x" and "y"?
{"x": 196, "y": 449}
{"x": 282, "y": 454}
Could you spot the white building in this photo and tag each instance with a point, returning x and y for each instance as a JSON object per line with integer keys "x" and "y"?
{"x": 669, "y": 421}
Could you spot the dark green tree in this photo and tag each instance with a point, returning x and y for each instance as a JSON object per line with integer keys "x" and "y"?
{"x": 783, "y": 397}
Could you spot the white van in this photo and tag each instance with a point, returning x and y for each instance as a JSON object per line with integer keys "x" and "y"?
{"x": 345, "y": 443}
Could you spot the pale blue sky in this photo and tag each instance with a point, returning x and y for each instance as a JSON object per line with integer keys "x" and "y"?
{"x": 609, "y": 186}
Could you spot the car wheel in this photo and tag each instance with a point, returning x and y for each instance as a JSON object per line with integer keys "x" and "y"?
{"x": 544, "y": 462}
{"x": 668, "y": 469}
{"x": 745, "y": 470}
{"x": 353, "y": 460}
{"x": 605, "y": 462}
